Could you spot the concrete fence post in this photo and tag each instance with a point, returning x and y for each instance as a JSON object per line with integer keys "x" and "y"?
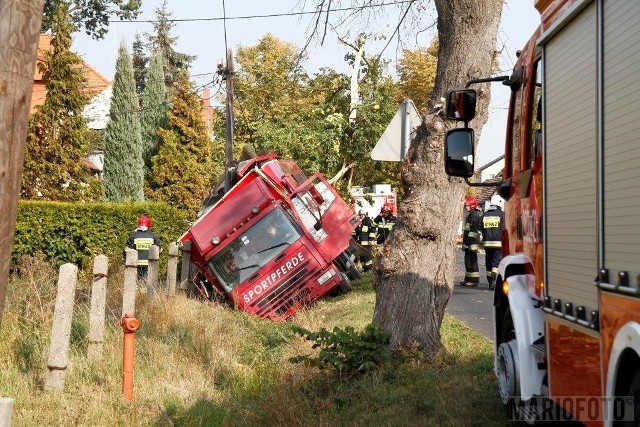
{"x": 172, "y": 269}
{"x": 6, "y": 408}
{"x": 130, "y": 281}
{"x": 61, "y": 330}
{"x": 98, "y": 304}
{"x": 154, "y": 273}
{"x": 185, "y": 273}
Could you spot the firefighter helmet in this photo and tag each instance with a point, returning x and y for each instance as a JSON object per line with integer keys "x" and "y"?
{"x": 471, "y": 202}
{"x": 144, "y": 221}
{"x": 497, "y": 201}
{"x": 387, "y": 207}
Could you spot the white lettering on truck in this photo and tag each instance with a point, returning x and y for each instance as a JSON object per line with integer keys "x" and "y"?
{"x": 271, "y": 279}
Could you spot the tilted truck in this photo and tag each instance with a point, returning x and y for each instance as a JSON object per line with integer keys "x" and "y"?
{"x": 275, "y": 242}
{"x": 567, "y": 312}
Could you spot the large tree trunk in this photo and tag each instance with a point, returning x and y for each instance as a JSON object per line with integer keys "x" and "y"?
{"x": 414, "y": 272}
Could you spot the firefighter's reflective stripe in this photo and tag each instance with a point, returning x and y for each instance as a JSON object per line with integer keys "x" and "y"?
{"x": 493, "y": 244}
{"x": 472, "y": 234}
{"x": 473, "y": 247}
{"x": 143, "y": 263}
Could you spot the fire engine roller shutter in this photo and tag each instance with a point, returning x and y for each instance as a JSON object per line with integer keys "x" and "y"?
{"x": 622, "y": 138}
{"x": 570, "y": 156}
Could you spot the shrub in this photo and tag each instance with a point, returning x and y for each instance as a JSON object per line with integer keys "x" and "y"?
{"x": 77, "y": 232}
{"x": 347, "y": 350}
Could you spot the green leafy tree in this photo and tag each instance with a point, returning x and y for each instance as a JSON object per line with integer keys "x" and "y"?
{"x": 123, "y": 164}
{"x": 161, "y": 40}
{"x": 182, "y": 171}
{"x": 417, "y": 74}
{"x": 139, "y": 60}
{"x": 154, "y": 109}
{"x": 92, "y": 15}
{"x": 58, "y": 136}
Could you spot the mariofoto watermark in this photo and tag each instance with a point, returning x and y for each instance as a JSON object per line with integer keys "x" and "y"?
{"x": 569, "y": 408}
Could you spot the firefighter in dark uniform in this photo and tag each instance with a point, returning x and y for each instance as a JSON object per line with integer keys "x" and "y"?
{"x": 385, "y": 222}
{"x": 492, "y": 225}
{"x": 471, "y": 242}
{"x": 141, "y": 240}
{"x": 365, "y": 235}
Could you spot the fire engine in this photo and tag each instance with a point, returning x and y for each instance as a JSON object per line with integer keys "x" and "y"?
{"x": 275, "y": 241}
{"x": 567, "y": 315}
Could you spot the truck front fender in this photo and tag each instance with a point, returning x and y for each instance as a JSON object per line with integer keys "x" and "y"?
{"x": 525, "y": 311}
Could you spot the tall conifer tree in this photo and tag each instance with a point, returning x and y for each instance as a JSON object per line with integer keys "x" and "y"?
{"x": 139, "y": 60}
{"x": 154, "y": 109}
{"x": 182, "y": 170}
{"x": 58, "y": 135}
{"x": 162, "y": 40}
{"x": 123, "y": 165}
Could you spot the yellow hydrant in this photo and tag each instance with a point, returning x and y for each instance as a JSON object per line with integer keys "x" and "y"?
{"x": 129, "y": 326}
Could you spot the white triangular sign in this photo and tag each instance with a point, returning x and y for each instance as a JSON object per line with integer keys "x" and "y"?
{"x": 394, "y": 142}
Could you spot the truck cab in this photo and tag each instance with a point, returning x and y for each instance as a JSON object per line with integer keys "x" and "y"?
{"x": 275, "y": 242}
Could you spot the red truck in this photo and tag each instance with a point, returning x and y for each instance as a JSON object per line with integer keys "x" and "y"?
{"x": 567, "y": 310}
{"x": 275, "y": 242}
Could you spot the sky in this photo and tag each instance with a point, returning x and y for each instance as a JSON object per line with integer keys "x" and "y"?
{"x": 206, "y": 37}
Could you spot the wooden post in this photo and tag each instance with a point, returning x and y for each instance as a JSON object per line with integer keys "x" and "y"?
{"x": 61, "y": 329}
{"x": 130, "y": 281}
{"x": 154, "y": 266}
{"x": 98, "y": 304}
{"x": 172, "y": 269}
{"x": 19, "y": 31}
{"x": 185, "y": 271}
{"x": 6, "y": 408}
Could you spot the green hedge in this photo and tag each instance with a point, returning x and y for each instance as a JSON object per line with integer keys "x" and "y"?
{"x": 77, "y": 232}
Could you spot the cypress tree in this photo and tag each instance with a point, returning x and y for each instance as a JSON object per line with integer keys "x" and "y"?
{"x": 58, "y": 136}
{"x": 154, "y": 109}
{"x": 140, "y": 61}
{"x": 161, "y": 40}
{"x": 182, "y": 170}
{"x": 123, "y": 165}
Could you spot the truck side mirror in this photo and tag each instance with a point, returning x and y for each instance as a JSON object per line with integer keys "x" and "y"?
{"x": 461, "y": 104}
{"x": 458, "y": 152}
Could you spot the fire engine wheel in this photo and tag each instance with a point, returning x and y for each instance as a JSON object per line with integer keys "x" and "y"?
{"x": 507, "y": 371}
{"x": 633, "y": 390}
{"x": 354, "y": 272}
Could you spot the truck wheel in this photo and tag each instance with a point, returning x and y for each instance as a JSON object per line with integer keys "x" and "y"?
{"x": 507, "y": 371}
{"x": 345, "y": 284}
{"x": 632, "y": 390}
{"x": 354, "y": 272}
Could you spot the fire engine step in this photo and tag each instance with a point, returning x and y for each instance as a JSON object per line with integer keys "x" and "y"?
{"x": 539, "y": 348}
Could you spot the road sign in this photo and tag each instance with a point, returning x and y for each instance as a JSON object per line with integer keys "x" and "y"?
{"x": 394, "y": 142}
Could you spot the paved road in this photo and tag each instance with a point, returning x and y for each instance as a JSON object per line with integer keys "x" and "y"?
{"x": 473, "y": 306}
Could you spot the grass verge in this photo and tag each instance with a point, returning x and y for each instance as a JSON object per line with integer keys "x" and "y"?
{"x": 199, "y": 364}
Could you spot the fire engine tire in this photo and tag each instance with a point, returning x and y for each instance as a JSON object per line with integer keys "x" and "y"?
{"x": 633, "y": 390}
{"x": 507, "y": 371}
{"x": 345, "y": 284}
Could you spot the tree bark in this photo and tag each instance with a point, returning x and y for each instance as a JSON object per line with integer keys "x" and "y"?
{"x": 413, "y": 275}
{"x": 19, "y": 30}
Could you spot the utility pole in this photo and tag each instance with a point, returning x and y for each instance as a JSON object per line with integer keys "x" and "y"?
{"x": 227, "y": 74}
{"x": 20, "y": 22}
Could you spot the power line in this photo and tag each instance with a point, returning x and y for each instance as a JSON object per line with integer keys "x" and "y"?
{"x": 270, "y": 15}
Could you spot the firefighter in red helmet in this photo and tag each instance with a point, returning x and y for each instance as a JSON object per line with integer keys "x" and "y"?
{"x": 141, "y": 240}
{"x": 385, "y": 221}
{"x": 471, "y": 242}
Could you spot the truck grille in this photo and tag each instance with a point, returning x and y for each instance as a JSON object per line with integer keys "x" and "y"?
{"x": 286, "y": 295}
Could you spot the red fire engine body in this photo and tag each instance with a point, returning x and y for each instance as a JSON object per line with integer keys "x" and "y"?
{"x": 567, "y": 316}
{"x": 275, "y": 242}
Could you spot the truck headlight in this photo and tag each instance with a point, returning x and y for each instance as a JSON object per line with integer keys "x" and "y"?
{"x": 326, "y": 276}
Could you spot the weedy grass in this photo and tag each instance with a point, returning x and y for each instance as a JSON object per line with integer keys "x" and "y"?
{"x": 201, "y": 364}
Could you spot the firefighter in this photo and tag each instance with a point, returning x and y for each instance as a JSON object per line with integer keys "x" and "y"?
{"x": 141, "y": 240}
{"x": 492, "y": 225}
{"x": 366, "y": 235}
{"x": 471, "y": 242}
{"x": 385, "y": 222}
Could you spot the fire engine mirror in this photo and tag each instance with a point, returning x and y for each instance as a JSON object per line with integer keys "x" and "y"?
{"x": 461, "y": 104}
{"x": 458, "y": 152}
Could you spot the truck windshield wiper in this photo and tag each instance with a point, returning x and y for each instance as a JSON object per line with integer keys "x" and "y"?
{"x": 245, "y": 268}
{"x": 274, "y": 247}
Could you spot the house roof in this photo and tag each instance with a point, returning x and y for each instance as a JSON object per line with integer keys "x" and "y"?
{"x": 95, "y": 82}
{"x": 491, "y": 163}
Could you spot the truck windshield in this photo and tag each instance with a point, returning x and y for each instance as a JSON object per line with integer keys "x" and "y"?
{"x": 253, "y": 249}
